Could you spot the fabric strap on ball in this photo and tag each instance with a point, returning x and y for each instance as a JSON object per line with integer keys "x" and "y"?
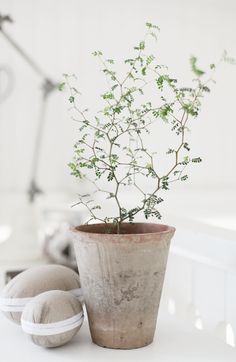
{"x": 18, "y": 304}
{"x": 49, "y": 329}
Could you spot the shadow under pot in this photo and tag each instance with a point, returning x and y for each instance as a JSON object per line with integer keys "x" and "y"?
{"x": 122, "y": 277}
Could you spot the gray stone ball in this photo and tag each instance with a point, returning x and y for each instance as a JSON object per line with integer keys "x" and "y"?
{"x": 52, "y": 307}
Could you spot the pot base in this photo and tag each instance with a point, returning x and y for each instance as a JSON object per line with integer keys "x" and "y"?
{"x": 135, "y": 345}
{"x": 123, "y": 347}
{"x": 128, "y": 331}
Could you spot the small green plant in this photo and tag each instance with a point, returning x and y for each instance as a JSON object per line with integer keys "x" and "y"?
{"x": 113, "y": 144}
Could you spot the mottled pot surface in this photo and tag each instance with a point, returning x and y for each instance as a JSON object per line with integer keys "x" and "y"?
{"x": 122, "y": 277}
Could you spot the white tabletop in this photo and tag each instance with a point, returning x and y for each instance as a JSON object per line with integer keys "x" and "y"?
{"x": 175, "y": 341}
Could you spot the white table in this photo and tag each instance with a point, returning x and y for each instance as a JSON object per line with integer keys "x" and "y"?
{"x": 175, "y": 341}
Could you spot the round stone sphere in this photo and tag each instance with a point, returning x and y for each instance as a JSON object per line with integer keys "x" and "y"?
{"x": 52, "y": 318}
{"x": 33, "y": 281}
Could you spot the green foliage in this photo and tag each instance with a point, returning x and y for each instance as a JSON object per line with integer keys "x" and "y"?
{"x": 140, "y": 46}
{"x": 191, "y": 109}
{"x": 198, "y": 72}
{"x": 97, "y": 53}
{"x": 196, "y": 160}
{"x": 74, "y": 170}
{"x": 186, "y": 146}
{"x": 61, "y": 86}
{"x": 100, "y": 155}
{"x": 108, "y": 95}
{"x": 226, "y": 58}
{"x": 162, "y": 79}
{"x": 71, "y": 99}
{"x": 152, "y": 26}
{"x": 186, "y": 160}
{"x": 165, "y": 183}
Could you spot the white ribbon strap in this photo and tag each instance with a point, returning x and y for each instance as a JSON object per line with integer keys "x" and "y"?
{"x": 18, "y": 304}
{"x": 49, "y": 329}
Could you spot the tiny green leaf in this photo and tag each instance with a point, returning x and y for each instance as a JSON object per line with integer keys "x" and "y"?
{"x": 198, "y": 72}
{"x": 61, "y": 86}
{"x": 71, "y": 99}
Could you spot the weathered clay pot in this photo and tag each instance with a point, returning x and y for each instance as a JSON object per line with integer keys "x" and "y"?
{"x": 122, "y": 277}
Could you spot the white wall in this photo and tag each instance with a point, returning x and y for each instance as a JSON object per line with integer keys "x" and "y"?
{"x": 61, "y": 34}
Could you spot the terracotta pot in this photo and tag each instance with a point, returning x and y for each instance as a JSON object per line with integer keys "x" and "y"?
{"x": 122, "y": 277}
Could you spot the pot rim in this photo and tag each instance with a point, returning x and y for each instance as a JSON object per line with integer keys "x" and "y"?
{"x": 169, "y": 229}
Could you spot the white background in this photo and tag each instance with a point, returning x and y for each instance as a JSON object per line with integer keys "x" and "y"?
{"x": 61, "y": 34}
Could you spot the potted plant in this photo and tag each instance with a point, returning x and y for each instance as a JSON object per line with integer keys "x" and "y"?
{"x": 121, "y": 262}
